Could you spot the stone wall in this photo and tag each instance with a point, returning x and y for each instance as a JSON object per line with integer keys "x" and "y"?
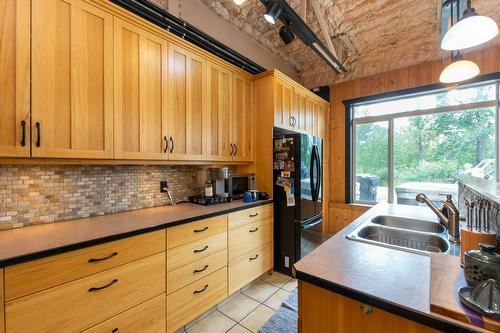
{"x": 42, "y": 194}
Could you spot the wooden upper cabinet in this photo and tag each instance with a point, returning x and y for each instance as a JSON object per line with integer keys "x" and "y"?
{"x": 72, "y": 80}
{"x": 299, "y": 110}
{"x": 219, "y": 109}
{"x": 241, "y": 118}
{"x": 283, "y": 104}
{"x": 15, "y": 78}
{"x": 140, "y": 87}
{"x": 187, "y": 96}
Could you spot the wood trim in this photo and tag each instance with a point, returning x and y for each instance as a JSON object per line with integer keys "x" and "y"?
{"x": 80, "y": 161}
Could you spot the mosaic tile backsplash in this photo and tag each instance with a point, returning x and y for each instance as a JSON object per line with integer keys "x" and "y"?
{"x": 42, "y": 194}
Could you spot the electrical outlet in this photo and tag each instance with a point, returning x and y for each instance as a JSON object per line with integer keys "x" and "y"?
{"x": 287, "y": 262}
{"x": 163, "y": 186}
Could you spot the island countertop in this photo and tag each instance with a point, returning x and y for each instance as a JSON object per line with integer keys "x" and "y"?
{"x": 395, "y": 281}
{"x": 28, "y": 243}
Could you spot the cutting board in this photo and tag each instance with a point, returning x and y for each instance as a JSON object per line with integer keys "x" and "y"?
{"x": 446, "y": 278}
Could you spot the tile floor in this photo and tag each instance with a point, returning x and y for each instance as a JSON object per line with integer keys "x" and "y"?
{"x": 247, "y": 310}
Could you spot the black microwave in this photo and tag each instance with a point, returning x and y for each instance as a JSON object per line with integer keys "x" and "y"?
{"x": 238, "y": 184}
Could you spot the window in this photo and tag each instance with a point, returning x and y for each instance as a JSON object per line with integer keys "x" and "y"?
{"x": 422, "y": 143}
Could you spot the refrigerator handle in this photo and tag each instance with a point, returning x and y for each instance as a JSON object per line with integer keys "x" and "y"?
{"x": 311, "y": 174}
{"x": 315, "y": 165}
{"x": 320, "y": 174}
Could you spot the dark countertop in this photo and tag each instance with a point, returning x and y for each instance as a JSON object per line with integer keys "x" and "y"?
{"x": 24, "y": 244}
{"x": 392, "y": 280}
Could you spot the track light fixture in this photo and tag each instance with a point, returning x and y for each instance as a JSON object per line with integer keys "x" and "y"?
{"x": 286, "y": 34}
{"x": 273, "y": 12}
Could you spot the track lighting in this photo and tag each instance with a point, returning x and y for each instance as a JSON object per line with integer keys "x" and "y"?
{"x": 459, "y": 70}
{"x": 286, "y": 34}
{"x": 273, "y": 12}
{"x": 470, "y": 31}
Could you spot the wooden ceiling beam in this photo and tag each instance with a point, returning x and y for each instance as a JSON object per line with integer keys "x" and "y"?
{"x": 324, "y": 27}
{"x": 303, "y": 10}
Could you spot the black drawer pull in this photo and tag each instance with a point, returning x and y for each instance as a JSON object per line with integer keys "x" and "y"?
{"x": 200, "y": 270}
{"x": 253, "y": 230}
{"x": 114, "y": 330}
{"x": 104, "y": 258}
{"x": 253, "y": 258}
{"x": 37, "y": 125}
{"x": 166, "y": 145}
{"x": 103, "y": 287}
{"x": 235, "y": 149}
{"x": 23, "y": 133}
{"x": 200, "y": 230}
{"x": 172, "y": 147}
{"x": 203, "y": 249}
{"x": 253, "y": 215}
{"x": 201, "y": 290}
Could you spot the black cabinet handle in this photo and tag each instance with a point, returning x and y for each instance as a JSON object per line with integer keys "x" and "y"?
{"x": 253, "y": 230}
{"x": 253, "y": 258}
{"x": 253, "y": 215}
{"x": 172, "y": 142}
{"x": 103, "y": 287}
{"x": 203, "y": 249}
{"x": 37, "y": 125}
{"x": 291, "y": 120}
{"x": 232, "y": 149}
{"x": 114, "y": 330}
{"x": 201, "y": 290}
{"x": 235, "y": 149}
{"x": 166, "y": 144}
{"x": 201, "y": 230}
{"x": 200, "y": 270}
{"x": 23, "y": 133}
{"x": 104, "y": 258}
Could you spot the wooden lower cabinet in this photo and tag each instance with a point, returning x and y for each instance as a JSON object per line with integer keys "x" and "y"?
{"x": 250, "y": 236}
{"x": 2, "y": 303}
{"x": 148, "y": 317}
{"x": 191, "y": 301}
{"x": 78, "y": 305}
{"x": 323, "y": 311}
{"x": 249, "y": 266}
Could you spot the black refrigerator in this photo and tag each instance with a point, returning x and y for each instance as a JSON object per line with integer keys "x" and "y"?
{"x": 298, "y": 215}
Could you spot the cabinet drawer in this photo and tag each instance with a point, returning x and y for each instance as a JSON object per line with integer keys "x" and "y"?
{"x": 191, "y": 301}
{"x": 250, "y": 236}
{"x": 242, "y": 217}
{"x": 191, "y": 232}
{"x": 80, "y": 304}
{"x": 189, "y": 253}
{"x": 189, "y": 273}
{"x": 30, "y": 277}
{"x": 148, "y": 317}
{"x": 249, "y": 266}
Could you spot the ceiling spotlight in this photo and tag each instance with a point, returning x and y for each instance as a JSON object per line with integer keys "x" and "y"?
{"x": 459, "y": 70}
{"x": 470, "y": 31}
{"x": 239, "y": 2}
{"x": 273, "y": 12}
{"x": 286, "y": 34}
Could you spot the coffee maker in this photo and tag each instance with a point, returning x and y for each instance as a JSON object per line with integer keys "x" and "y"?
{"x": 215, "y": 179}
{"x": 218, "y": 177}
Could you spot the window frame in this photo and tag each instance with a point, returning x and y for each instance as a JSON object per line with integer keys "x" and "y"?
{"x": 351, "y": 122}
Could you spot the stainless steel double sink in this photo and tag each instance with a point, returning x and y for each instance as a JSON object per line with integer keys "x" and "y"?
{"x": 402, "y": 233}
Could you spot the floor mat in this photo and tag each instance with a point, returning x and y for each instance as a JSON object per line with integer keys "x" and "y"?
{"x": 285, "y": 319}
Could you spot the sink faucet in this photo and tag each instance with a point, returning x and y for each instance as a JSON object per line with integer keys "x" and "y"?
{"x": 451, "y": 222}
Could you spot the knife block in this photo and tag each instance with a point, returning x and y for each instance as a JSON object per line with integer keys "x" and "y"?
{"x": 470, "y": 240}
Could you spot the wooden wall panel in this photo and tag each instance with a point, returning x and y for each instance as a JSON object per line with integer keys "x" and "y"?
{"x": 419, "y": 75}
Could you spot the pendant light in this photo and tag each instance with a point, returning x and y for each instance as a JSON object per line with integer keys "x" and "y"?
{"x": 273, "y": 12}
{"x": 470, "y": 31}
{"x": 459, "y": 70}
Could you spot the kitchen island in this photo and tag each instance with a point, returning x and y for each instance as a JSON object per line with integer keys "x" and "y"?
{"x": 351, "y": 286}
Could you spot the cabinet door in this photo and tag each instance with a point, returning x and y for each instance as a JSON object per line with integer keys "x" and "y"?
{"x": 140, "y": 93}
{"x": 309, "y": 116}
{"x": 14, "y": 78}
{"x": 219, "y": 109}
{"x": 72, "y": 80}
{"x": 300, "y": 110}
{"x": 187, "y": 89}
{"x": 241, "y": 118}
{"x": 283, "y": 104}
{"x": 318, "y": 121}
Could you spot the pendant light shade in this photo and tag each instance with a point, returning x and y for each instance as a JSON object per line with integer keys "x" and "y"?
{"x": 459, "y": 70}
{"x": 273, "y": 12}
{"x": 470, "y": 31}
